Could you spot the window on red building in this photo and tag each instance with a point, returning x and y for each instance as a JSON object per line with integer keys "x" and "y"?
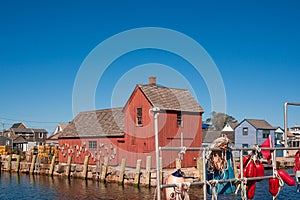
{"x": 139, "y": 117}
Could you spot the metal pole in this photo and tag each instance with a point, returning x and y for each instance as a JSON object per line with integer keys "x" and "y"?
{"x": 285, "y": 124}
{"x": 155, "y": 110}
{"x": 242, "y": 173}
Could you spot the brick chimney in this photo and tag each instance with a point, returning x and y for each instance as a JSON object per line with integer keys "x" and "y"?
{"x": 152, "y": 80}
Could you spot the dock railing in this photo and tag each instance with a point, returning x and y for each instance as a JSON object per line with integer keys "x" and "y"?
{"x": 204, "y": 182}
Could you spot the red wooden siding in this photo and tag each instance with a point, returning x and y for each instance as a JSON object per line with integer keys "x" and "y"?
{"x": 138, "y": 141}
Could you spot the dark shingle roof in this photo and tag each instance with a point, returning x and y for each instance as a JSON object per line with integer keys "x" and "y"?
{"x": 18, "y": 125}
{"x": 170, "y": 98}
{"x": 107, "y": 122}
{"x": 22, "y": 130}
{"x": 260, "y": 124}
{"x": 18, "y": 139}
{"x": 209, "y": 136}
{"x": 39, "y": 130}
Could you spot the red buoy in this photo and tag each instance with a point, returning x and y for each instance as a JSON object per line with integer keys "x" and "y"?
{"x": 250, "y": 169}
{"x": 260, "y": 169}
{"x": 273, "y": 186}
{"x": 250, "y": 190}
{"x": 246, "y": 159}
{"x": 286, "y": 178}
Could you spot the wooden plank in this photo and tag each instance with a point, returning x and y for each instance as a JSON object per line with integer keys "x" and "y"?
{"x": 122, "y": 171}
{"x": 148, "y": 171}
{"x": 68, "y": 169}
{"x": 18, "y": 163}
{"x": 33, "y": 164}
{"x": 104, "y": 169}
{"x": 138, "y": 172}
{"x": 9, "y": 163}
{"x": 85, "y": 167}
{"x": 52, "y": 166}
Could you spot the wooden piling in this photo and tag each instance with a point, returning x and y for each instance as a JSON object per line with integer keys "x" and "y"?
{"x": 98, "y": 167}
{"x": 9, "y": 163}
{"x": 68, "y": 169}
{"x": 33, "y": 164}
{"x": 18, "y": 163}
{"x": 104, "y": 169}
{"x": 52, "y": 166}
{"x": 160, "y": 170}
{"x": 200, "y": 168}
{"x": 122, "y": 171}
{"x": 137, "y": 176}
{"x": 148, "y": 171}
{"x": 85, "y": 167}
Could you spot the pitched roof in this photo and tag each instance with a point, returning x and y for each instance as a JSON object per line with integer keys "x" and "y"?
{"x": 107, "y": 122}
{"x": 209, "y": 136}
{"x": 18, "y": 139}
{"x": 170, "y": 98}
{"x": 21, "y": 130}
{"x": 18, "y": 125}
{"x": 57, "y": 132}
{"x": 233, "y": 124}
{"x": 260, "y": 124}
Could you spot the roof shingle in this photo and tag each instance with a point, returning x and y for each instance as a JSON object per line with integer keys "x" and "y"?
{"x": 170, "y": 98}
{"x": 260, "y": 124}
{"x": 107, "y": 122}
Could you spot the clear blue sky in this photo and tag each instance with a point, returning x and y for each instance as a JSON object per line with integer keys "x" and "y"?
{"x": 254, "y": 44}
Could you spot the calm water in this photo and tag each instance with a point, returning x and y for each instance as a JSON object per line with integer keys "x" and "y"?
{"x": 13, "y": 186}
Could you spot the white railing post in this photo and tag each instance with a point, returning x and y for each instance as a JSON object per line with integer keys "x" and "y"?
{"x": 204, "y": 173}
{"x": 155, "y": 110}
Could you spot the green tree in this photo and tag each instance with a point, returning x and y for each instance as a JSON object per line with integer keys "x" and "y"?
{"x": 219, "y": 120}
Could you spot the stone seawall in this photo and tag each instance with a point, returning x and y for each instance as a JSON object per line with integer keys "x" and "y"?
{"x": 103, "y": 173}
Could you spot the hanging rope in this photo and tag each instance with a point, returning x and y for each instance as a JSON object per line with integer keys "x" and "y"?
{"x": 244, "y": 189}
{"x": 216, "y": 159}
{"x": 212, "y": 184}
{"x": 181, "y": 191}
{"x": 181, "y": 152}
{"x": 281, "y": 183}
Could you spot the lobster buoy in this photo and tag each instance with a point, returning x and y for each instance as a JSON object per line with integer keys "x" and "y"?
{"x": 286, "y": 178}
{"x": 174, "y": 178}
{"x": 260, "y": 169}
{"x": 250, "y": 170}
{"x": 250, "y": 190}
{"x": 246, "y": 159}
{"x": 273, "y": 186}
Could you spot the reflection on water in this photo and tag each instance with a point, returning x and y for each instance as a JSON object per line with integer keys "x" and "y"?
{"x": 22, "y": 186}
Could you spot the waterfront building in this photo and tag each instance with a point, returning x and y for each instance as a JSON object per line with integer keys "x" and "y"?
{"x": 252, "y": 131}
{"x": 24, "y": 137}
{"x": 128, "y": 132}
